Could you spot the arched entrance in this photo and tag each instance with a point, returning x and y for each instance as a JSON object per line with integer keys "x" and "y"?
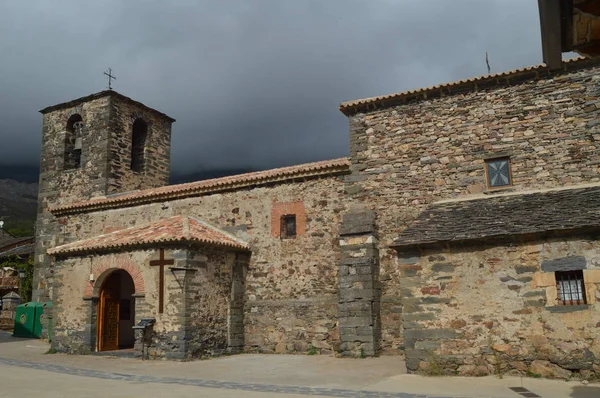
{"x": 116, "y": 312}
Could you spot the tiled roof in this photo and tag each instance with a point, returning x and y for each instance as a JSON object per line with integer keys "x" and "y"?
{"x": 503, "y": 216}
{"x": 101, "y": 94}
{"x": 169, "y": 192}
{"x": 477, "y": 83}
{"x": 176, "y": 229}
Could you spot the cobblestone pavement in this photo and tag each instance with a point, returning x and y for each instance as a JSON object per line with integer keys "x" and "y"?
{"x": 214, "y": 384}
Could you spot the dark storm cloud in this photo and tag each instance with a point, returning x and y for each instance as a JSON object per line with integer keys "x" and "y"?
{"x": 251, "y": 83}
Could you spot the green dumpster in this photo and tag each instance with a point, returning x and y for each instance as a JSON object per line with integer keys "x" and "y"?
{"x": 46, "y": 320}
{"x": 26, "y": 320}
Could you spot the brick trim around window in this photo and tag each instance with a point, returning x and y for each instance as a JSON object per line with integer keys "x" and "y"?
{"x": 279, "y": 210}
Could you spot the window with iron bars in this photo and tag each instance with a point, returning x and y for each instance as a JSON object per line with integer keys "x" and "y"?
{"x": 288, "y": 226}
{"x": 570, "y": 287}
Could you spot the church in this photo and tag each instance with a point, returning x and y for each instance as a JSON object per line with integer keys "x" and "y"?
{"x": 461, "y": 232}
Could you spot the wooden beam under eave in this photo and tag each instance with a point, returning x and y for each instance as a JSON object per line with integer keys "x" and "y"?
{"x": 590, "y": 7}
{"x": 551, "y": 27}
{"x": 591, "y": 49}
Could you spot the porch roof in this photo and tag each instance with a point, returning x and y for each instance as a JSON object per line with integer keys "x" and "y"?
{"x": 176, "y": 229}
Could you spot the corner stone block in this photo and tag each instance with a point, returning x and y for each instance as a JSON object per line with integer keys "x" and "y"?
{"x": 591, "y": 276}
{"x": 358, "y": 223}
{"x": 544, "y": 279}
{"x": 409, "y": 258}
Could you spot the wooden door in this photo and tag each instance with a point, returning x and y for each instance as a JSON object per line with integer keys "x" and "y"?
{"x": 108, "y": 320}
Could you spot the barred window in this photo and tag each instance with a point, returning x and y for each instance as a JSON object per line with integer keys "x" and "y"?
{"x": 288, "y": 226}
{"x": 570, "y": 287}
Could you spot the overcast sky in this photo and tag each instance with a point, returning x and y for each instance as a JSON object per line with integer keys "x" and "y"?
{"x": 252, "y": 83}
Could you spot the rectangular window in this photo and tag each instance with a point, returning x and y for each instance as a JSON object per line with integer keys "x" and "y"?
{"x": 570, "y": 288}
{"x": 498, "y": 173}
{"x": 288, "y": 226}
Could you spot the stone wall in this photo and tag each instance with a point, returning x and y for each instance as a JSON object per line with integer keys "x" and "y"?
{"x": 157, "y": 152}
{"x": 57, "y": 185}
{"x": 290, "y": 302}
{"x": 481, "y": 308}
{"x": 360, "y": 289}
{"x": 75, "y": 309}
{"x": 407, "y": 156}
{"x": 200, "y": 296}
{"x": 105, "y": 157}
{"x": 208, "y": 300}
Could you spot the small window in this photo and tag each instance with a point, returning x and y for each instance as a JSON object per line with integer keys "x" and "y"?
{"x": 288, "y": 226}
{"x": 570, "y": 288}
{"x": 498, "y": 173}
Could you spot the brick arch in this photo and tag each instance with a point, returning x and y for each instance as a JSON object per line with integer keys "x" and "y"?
{"x": 105, "y": 268}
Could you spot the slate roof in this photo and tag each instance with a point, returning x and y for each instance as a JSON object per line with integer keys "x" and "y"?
{"x": 11, "y": 295}
{"x": 515, "y": 76}
{"x": 10, "y": 245}
{"x": 169, "y": 192}
{"x": 176, "y": 229}
{"x": 6, "y": 238}
{"x": 25, "y": 249}
{"x": 505, "y": 215}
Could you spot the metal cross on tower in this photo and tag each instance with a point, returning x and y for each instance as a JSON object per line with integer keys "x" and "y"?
{"x": 110, "y": 77}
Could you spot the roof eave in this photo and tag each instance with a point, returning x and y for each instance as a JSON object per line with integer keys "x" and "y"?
{"x": 399, "y": 245}
{"x": 517, "y": 76}
{"x": 98, "y": 95}
{"x": 113, "y": 248}
{"x": 125, "y": 201}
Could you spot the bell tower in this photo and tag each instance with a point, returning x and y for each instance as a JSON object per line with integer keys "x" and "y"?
{"x": 94, "y": 146}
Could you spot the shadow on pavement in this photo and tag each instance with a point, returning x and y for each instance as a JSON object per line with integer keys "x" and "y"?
{"x": 7, "y": 337}
{"x": 585, "y": 392}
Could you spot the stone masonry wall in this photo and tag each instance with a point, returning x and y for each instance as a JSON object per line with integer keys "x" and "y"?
{"x": 291, "y": 298}
{"x": 75, "y": 308}
{"x": 208, "y": 301}
{"x": 157, "y": 153}
{"x": 406, "y": 157}
{"x": 105, "y": 159}
{"x": 57, "y": 185}
{"x": 360, "y": 290}
{"x": 106, "y": 145}
{"x": 482, "y": 308}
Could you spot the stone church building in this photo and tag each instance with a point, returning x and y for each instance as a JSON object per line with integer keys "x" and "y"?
{"x": 461, "y": 231}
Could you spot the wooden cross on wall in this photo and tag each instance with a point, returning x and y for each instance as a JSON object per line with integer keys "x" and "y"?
{"x": 161, "y": 262}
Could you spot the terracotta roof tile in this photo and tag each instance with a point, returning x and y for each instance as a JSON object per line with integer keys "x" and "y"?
{"x": 323, "y": 168}
{"x": 482, "y": 82}
{"x": 176, "y": 229}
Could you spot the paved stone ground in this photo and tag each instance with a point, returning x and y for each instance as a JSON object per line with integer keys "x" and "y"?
{"x": 212, "y": 384}
{"x": 26, "y": 371}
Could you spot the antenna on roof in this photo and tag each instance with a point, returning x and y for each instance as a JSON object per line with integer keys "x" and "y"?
{"x": 487, "y": 61}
